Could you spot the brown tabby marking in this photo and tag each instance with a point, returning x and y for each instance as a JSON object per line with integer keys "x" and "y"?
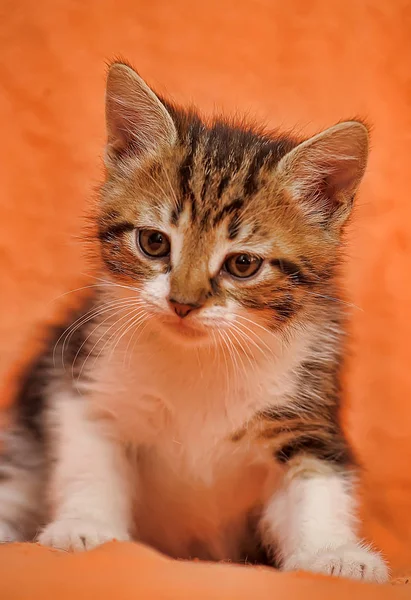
{"x": 210, "y": 352}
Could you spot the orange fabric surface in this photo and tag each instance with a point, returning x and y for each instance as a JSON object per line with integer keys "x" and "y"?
{"x": 130, "y": 571}
{"x": 294, "y": 63}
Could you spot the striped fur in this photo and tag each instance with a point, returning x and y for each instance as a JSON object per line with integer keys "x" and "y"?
{"x": 164, "y": 409}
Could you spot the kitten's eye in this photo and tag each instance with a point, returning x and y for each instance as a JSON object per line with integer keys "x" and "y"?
{"x": 153, "y": 243}
{"x": 243, "y": 265}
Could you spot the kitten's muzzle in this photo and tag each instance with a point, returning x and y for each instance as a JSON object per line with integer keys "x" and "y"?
{"x": 182, "y": 310}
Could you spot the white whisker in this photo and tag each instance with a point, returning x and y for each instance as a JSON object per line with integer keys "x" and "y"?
{"x": 119, "y": 310}
{"x": 337, "y": 300}
{"x": 234, "y": 355}
{"x": 242, "y": 325}
{"x": 82, "y": 320}
{"x": 149, "y": 317}
{"x": 113, "y": 284}
{"x": 265, "y": 329}
{"x": 235, "y": 330}
{"x": 84, "y": 287}
{"x": 138, "y": 317}
{"x": 225, "y": 347}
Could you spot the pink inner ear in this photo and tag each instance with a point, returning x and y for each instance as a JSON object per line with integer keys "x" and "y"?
{"x": 128, "y": 123}
{"x": 137, "y": 122}
{"x": 323, "y": 173}
{"x": 123, "y": 129}
{"x": 345, "y": 177}
{"x": 327, "y": 193}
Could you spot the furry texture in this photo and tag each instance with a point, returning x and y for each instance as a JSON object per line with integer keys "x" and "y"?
{"x": 191, "y": 375}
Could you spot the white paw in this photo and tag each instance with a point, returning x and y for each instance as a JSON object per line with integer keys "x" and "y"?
{"x": 8, "y": 534}
{"x": 79, "y": 534}
{"x": 352, "y": 561}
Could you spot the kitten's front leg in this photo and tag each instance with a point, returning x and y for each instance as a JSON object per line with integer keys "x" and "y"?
{"x": 310, "y": 522}
{"x": 89, "y": 485}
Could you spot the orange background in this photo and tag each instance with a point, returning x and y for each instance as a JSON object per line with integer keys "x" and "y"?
{"x": 304, "y": 63}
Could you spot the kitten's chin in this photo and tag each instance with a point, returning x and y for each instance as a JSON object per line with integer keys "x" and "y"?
{"x": 184, "y": 332}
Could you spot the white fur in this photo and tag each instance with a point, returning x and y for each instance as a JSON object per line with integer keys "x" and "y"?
{"x": 89, "y": 491}
{"x": 311, "y": 524}
{"x": 156, "y": 291}
{"x": 175, "y": 406}
{"x": 196, "y": 396}
{"x": 147, "y": 450}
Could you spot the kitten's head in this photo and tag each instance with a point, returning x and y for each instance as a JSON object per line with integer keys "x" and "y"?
{"x": 219, "y": 229}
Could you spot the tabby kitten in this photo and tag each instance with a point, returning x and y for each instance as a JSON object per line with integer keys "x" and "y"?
{"x": 207, "y": 362}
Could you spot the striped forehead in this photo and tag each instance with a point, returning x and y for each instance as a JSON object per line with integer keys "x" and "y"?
{"x": 210, "y": 243}
{"x": 207, "y": 200}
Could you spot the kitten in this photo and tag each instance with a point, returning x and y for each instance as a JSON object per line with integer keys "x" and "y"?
{"x": 207, "y": 362}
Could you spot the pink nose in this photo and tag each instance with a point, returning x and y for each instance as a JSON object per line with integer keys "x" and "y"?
{"x": 182, "y": 310}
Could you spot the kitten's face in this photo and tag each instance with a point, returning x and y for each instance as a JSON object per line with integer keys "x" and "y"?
{"x": 224, "y": 261}
{"x": 221, "y": 233}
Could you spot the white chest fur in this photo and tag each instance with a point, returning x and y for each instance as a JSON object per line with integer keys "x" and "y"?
{"x": 178, "y": 407}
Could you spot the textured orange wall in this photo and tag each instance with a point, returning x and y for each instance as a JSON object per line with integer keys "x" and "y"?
{"x": 300, "y": 62}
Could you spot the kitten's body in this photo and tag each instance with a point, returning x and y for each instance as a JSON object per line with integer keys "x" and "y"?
{"x": 198, "y": 481}
{"x": 171, "y": 406}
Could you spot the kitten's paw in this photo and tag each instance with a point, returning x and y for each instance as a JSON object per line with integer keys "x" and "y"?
{"x": 352, "y": 561}
{"x": 79, "y": 534}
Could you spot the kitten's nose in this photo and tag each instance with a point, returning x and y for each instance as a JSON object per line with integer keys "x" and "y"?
{"x": 182, "y": 310}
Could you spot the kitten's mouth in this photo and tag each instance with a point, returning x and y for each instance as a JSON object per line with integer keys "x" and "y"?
{"x": 185, "y": 328}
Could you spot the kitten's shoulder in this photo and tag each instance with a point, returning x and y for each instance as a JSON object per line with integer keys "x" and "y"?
{"x": 63, "y": 346}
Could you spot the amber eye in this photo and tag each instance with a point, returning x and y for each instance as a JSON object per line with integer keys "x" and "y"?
{"x": 243, "y": 265}
{"x": 153, "y": 243}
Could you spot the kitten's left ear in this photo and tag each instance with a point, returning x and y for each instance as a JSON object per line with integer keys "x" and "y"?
{"x": 138, "y": 123}
{"x": 322, "y": 174}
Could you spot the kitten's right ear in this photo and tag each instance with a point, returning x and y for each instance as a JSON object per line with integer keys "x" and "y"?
{"x": 138, "y": 124}
{"x": 323, "y": 173}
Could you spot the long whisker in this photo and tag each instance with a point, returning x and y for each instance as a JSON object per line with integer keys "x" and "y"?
{"x": 84, "y": 287}
{"x": 214, "y": 347}
{"x": 100, "y": 339}
{"x": 125, "y": 328}
{"x": 234, "y": 355}
{"x": 253, "y": 333}
{"x": 337, "y": 300}
{"x": 122, "y": 328}
{"x": 143, "y": 328}
{"x": 113, "y": 284}
{"x": 70, "y": 330}
{"x": 249, "y": 340}
{"x": 265, "y": 329}
{"x": 225, "y": 346}
{"x": 235, "y": 330}
{"x": 128, "y": 316}
{"x": 91, "y": 314}
{"x": 100, "y": 324}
